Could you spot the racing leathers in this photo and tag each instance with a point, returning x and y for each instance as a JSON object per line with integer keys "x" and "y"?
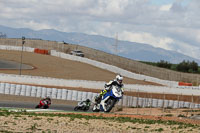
{"x": 107, "y": 88}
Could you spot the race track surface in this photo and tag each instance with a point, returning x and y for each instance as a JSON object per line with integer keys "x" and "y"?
{"x": 28, "y": 105}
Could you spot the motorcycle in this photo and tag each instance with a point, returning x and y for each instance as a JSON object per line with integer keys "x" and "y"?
{"x": 43, "y": 104}
{"x": 82, "y": 106}
{"x": 108, "y": 100}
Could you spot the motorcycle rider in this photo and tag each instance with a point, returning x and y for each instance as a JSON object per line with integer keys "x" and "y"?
{"x": 87, "y": 102}
{"x": 107, "y": 87}
{"x": 46, "y": 101}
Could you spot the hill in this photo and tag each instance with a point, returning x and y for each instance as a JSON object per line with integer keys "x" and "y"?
{"x": 131, "y": 50}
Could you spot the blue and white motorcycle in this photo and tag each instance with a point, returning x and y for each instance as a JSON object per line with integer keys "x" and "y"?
{"x": 108, "y": 100}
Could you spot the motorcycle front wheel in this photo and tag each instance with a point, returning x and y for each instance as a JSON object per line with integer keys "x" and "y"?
{"x": 110, "y": 103}
{"x": 86, "y": 108}
{"x": 95, "y": 109}
{"x": 37, "y": 106}
{"x": 45, "y": 107}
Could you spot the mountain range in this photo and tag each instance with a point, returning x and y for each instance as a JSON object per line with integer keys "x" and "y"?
{"x": 131, "y": 50}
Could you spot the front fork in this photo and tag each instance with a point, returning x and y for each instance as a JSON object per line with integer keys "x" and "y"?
{"x": 102, "y": 104}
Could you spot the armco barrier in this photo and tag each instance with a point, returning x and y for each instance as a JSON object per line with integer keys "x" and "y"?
{"x": 74, "y": 95}
{"x": 39, "y": 92}
{"x": 79, "y": 95}
{"x": 129, "y": 101}
{"x": 12, "y": 89}
{"x": 7, "y": 88}
{"x": 28, "y": 90}
{"x": 95, "y": 63}
{"x": 113, "y": 69}
{"x": 2, "y": 88}
{"x": 18, "y": 90}
{"x": 54, "y": 93}
{"x": 59, "y": 94}
{"x": 93, "y": 84}
{"x": 66, "y": 94}
{"x": 33, "y": 91}
{"x": 49, "y": 92}
{"x": 93, "y": 96}
{"x": 84, "y": 96}
{"x": 23, "y": 90}
{"x": 44, "y": 92}
{"x": 89, "y": 95}
{"x": 102, "y": 65}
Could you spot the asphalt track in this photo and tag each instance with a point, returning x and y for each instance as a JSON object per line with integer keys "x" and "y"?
{"x": 59, "y": 107}
{"x": 4, "y": 64}
{"x": 28, "y": 105}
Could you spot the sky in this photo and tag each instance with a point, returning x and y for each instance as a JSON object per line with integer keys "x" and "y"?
{"x": 169, "y": 24}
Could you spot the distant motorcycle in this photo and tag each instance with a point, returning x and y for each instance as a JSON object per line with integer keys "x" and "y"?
{"x": 44, "y": 103}
{"x": 82, "y": 106}
{"x": 108, "y": 100}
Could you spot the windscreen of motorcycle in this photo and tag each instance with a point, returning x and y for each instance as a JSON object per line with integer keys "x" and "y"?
{"x": 117, "y": 91}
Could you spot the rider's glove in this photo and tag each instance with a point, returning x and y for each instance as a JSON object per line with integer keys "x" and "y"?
{"x": 103, "y": 92}
{"x": 105, "y": 86}
{"x": 122, "y": 90}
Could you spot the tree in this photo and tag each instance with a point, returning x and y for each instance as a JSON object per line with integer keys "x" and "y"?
{"x": 193, "y": 66}
{"x": 164, "y": 64}
{"x": 187, "y": 66}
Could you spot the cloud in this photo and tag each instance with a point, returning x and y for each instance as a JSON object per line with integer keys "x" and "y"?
{"x": 147, "y": 38}
{"x": 170, "y": 25}
{"x": 166, "y": 7}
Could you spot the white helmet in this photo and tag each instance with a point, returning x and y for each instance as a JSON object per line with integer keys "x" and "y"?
{"x": 119, "y": 79}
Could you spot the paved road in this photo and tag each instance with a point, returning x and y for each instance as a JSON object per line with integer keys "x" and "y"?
{"x": 29, "y": 105}
{"x": 13, "y": 65}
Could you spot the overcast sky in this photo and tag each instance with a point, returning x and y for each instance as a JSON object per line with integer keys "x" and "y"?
{"x": 169, "y": 24}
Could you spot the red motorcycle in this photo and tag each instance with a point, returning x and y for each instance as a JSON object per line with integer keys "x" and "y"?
{"x": 44, "y": 103}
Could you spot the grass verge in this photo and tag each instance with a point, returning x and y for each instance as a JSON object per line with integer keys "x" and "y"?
{"x": 72, "y": 116}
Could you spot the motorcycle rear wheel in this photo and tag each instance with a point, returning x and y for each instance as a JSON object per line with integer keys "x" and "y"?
{"x": 76, "y": 108}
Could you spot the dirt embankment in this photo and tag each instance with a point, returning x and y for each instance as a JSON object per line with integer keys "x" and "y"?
{"x": 49, "y": 66}
{"x": 96, "y": 122}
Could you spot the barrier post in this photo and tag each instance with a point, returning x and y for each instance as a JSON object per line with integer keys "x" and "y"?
{"x": 137, "y": 100}
{"x": 178, "y": 105}
{"x": 198, "y": 101}
{"x": 192, "y": 104}
{"x": 23, "y": 42}
{"x": 163, "y": 102}
{"x": 151, "y": 104}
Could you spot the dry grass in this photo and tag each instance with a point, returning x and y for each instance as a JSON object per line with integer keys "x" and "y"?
{"x": 98, "y": 123}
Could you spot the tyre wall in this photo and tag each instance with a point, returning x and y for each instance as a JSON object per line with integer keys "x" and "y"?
{"x": 65, "y": 94}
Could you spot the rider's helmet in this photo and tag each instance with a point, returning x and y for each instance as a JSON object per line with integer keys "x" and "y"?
{"x": 88, "y": 100}
{"x": 119, "y": 79}
{"x": 48, "y": 98}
